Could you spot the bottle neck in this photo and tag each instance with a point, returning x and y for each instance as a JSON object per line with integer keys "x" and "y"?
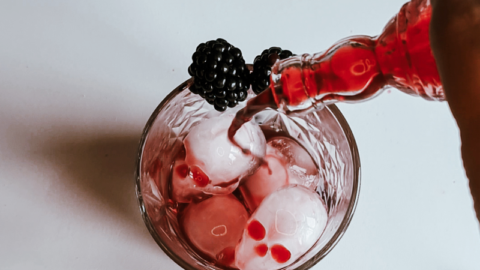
{"x": 358, "y": 68}
{"x": 349, "y": 71}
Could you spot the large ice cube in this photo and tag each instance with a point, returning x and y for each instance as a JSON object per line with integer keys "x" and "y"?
{"x": 302, "y": 169}
{"x": 285, "y": 225}
{"x": 271, "y": 176}
{"x": 214, "y": 226}
{"x": 216, "y": 164}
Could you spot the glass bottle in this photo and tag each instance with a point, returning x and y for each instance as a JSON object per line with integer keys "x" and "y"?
{"x": 360, "y": 67}
{"x": 355, "y": 69}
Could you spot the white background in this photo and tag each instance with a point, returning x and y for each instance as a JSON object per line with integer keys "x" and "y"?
{"x": 79, "y": 79}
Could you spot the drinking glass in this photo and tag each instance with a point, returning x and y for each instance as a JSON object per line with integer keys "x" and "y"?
{"x": 324, "y": 133}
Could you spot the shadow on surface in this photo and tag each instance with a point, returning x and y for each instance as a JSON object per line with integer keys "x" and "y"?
{"x": 99, "y": 170}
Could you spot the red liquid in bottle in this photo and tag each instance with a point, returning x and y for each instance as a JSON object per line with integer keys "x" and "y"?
{"x": 356, "y": 69}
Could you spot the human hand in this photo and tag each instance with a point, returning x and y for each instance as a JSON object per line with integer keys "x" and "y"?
{"x": 455, "y": 42}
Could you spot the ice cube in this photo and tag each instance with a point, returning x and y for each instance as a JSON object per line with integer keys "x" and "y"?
{"x": 184, "y": 188}
{"x": 216, "y": 164}
{"x": 214, "y": 227}
{"x": 302, "y": 169}
{"x": 271, "y": 176}
{"x": 285, "y": 225}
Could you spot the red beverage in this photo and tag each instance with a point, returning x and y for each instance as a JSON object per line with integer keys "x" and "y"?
{"x": 357, "y": 68}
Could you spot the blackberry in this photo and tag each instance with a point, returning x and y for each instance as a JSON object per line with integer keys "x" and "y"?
{"x": 262, "y": 67}
{"x": 220, "y": 74}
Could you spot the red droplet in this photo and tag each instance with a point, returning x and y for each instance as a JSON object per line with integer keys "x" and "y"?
{"x": 199, "y": 177}
{"x": 256, "y": 230}
{"x": 182, "y": 170}
{"x": 280, "y": 254}
{"x": 226, "y": 256}
{"x": 261, "y": 250}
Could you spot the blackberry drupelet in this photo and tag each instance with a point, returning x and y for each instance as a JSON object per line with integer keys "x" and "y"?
{"x": 262, "y": 67}
{"x": 220, "y": 74}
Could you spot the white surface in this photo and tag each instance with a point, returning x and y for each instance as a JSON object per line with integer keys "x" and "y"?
{"x": 79, "y": 79}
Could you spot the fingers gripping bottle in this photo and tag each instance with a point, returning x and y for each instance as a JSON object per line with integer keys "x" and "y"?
{"x": 360, "y": 67}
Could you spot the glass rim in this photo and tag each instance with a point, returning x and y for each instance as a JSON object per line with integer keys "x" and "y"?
{"x": 312, "y": 261}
